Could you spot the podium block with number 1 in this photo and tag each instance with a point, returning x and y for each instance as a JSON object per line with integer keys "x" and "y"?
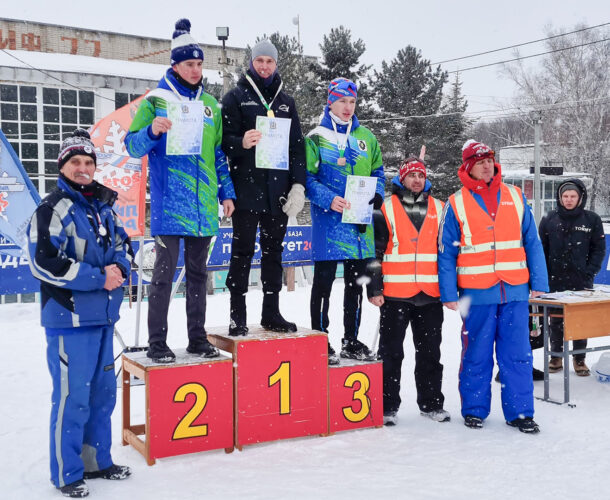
{"x": 281, "y": 383}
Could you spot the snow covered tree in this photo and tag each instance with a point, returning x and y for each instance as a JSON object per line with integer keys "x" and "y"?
{"x": 571, "y": 88}
{"x": 408, "y": 92}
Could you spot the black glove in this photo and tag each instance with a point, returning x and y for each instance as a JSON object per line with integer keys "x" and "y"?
{"x": 376, "y": 201}
{"x": 362, "y": 228}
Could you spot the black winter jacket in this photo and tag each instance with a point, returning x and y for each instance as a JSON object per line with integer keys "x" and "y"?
{"x": 574, "y": 244}
{"x": 259, "y": 189}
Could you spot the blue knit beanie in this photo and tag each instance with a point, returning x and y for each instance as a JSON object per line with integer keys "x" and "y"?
{"x": 184, "y": 46}
{"x": 341, "y": 87}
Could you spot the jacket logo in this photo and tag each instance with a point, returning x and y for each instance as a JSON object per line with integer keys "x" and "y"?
{"x": 284, "y": 107}
{"x": 248, "y": 103}
{"x": 507, "y": 203}
{"x": 362, "y": 145}
{"x": 207, "y": 111}
{"x": 583, "y": 228}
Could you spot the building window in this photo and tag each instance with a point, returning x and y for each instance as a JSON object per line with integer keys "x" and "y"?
{"x": 122, "y": 98}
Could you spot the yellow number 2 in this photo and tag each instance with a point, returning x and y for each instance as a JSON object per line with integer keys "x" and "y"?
{"x": 282, "y": 376}
{"x": 359, "y": 395}
{"x": 184, "y": 429}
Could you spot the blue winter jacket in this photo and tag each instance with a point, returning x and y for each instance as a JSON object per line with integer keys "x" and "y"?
{"x": 449, "y": 238}
{"x": 332, "y": 239}
{"x": 184, "y": 189}
{"x": 70, "y": 241}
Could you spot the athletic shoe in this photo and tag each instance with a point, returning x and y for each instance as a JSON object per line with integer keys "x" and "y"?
{"x": 114, "y": 473}
{"x": 160, "y": 353}
{"x": 77, "y": 489}
{"x": 473, "y": 422}
{"x": 390, "y": 418}
{"x": 354, "y": 349}
{"x": 203, "y": 348}
{"x": 437, "y": 415}
{"x": 526, "y": 425}
{"x": 333, "y": 359}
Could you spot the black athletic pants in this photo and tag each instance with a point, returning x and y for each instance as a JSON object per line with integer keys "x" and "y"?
{"x": 426, "y": 323}
{"x": 323, "y": 278}
{"x": 273, "y": 230}
{"x": 195, "y": 259}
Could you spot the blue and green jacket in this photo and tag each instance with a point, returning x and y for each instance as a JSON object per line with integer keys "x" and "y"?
{"x": 332, "y": 239}
{"x": 184, "y": 189}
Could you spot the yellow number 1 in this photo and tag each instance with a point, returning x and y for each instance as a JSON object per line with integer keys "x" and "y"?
{"x": 359, "y": 395}
{"x": 282, "y": 376}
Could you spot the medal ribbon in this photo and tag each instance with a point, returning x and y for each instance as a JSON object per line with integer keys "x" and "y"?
{"x": 341, "y": 145}
{"x": 262, "y": 99}
{"x": 180, "y": 96}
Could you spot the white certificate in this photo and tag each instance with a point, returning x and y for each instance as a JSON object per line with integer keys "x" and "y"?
{"x": 272, "y": 149}
{"x": 359, "y": 190}
{"x": 186, "y": 134}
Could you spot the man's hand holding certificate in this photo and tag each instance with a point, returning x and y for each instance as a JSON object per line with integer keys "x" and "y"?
{"x": 359, "y": 190}
{"x": 186, "y": 132}
{"x": 272, "y": 148}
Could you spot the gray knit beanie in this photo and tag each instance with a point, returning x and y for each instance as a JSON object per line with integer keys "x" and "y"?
{"x": 264, "y": 48}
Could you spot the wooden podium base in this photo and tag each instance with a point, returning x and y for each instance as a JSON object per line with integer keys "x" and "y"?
{"x": 189, "y": 405}
{"x": 280, "y": 383}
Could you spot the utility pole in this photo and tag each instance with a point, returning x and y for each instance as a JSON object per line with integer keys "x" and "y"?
{"x": 222, "y": 33}
{"x": 297, "y": 21}
{"x": 537, "y": 119}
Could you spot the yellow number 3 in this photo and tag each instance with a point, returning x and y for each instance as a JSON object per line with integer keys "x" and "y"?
{"x": 184, "y": 429}
{"x": 359, "y": 395}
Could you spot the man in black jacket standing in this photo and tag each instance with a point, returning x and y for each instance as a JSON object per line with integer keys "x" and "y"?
{"x": 265, "y": 197}
{"x": 574, "y": 246}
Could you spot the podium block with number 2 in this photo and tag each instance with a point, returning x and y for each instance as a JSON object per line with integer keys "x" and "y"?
{"x": 281, "y": 384}
{"x": 189, "y": 405}
{"x": 355, "y": 395}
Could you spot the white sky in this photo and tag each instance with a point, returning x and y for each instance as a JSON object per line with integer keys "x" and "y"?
{"x": 440, "y": 29}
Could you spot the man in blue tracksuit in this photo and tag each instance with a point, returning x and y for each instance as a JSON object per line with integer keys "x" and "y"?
{"x": 80, "y": 252}
{"x": 490, "y": 255}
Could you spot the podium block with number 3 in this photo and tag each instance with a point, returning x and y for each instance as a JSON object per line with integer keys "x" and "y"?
{"x": 189, "y": 405}
{"x": 355, "y": 395}
{"x": 281, "y": 383}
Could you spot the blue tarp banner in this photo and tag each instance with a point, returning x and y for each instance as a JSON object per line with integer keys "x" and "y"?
{"x": 15, "y": 275}
{"x": 18, "y": 200}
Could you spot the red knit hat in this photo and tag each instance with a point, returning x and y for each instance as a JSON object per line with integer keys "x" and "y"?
{"x": 411, "y": 165}
{"x": 473, "y": 151}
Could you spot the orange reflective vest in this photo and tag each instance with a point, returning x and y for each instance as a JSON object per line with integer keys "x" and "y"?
{"x": 409, "y": 264}
{"x": 490, "y": 250}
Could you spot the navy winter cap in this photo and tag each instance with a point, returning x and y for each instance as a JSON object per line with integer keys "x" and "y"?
{"x": 79, "y": 143}
{"x": 184, "y": 46}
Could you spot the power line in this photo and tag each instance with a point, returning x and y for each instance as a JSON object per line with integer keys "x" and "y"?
{"x": 519, "y": 44}
{"x": 528, "y": 57}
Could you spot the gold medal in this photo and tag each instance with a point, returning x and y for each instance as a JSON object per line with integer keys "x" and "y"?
{"x": 341, "y": 161}
{"x": 270, "y": 113}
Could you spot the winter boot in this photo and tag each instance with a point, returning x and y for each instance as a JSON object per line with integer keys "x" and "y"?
{"x": 526, "y": 425}
{"x": 271, "y": 319}
{"x": 333, "y": 359}
{"x": 238, "y": 326}
{"x": 160, "y": 353}
{"x": 202, "y": 348}
{"x": 473, "y": 422}
{"x": 390, "y": 418}
{"x": 437, "y": 415}
{"x": 114, "y": 472}
{"x": 555, "y": 365}
{"x": 77, "y": 489}
{"x": 581, "y": 368}
{"x": 537, "y": 374}
{"x": 354, "y": 349}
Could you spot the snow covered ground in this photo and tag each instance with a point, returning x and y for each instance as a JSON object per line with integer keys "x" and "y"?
{"x": 416, "y": 459}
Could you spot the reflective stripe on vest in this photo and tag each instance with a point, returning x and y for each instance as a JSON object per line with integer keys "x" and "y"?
{"x": 490, "y": 250}
{"x": 409, "y": 264}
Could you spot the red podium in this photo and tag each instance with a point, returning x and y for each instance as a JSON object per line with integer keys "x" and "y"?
{"x": 355, "y": 395}
{"x": 281, "y": 383}
{"x": 189, "y": 405}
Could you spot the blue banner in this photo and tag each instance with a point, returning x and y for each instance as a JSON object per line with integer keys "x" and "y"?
{"x": 18, "y": 200}
{"x": 15, "y": 275}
